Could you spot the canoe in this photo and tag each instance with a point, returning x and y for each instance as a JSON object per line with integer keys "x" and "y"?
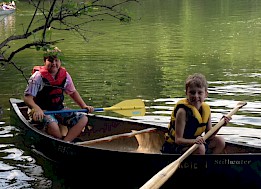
{"x": 125, "y": 153}
{"x": 6, "y": 9}
{"x": 6, "y": 12}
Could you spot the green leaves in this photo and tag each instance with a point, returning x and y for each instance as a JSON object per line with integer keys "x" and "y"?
{"x": 51, "y": 51}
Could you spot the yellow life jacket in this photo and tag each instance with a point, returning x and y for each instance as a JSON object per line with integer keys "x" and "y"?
{"x": 195, "y": 124}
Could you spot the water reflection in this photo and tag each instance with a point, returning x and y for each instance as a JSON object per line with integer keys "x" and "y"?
{"x": 7, "y": 25}
{"x": 18, "y": 170}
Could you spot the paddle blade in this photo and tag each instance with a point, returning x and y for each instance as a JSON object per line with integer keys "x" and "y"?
{"x": 133, "y": 107}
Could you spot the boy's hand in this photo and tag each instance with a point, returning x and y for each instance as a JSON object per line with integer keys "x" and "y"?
{"x": 90, "y": 109}
{"x": 37, "y": 114}
{"x": 226, "y": 119}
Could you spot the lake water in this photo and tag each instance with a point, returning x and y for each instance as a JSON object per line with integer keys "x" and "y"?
{"x": 150, "y": 59}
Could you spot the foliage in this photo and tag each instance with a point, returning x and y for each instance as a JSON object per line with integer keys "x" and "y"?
{"x": 60, "y": 15}
{"x": 53, "y": 52}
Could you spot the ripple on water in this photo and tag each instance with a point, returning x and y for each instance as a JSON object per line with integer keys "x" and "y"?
{"x": 18, "y": 170}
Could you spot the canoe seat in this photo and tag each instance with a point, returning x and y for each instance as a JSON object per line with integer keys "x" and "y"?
{"x": 118, "y": 136}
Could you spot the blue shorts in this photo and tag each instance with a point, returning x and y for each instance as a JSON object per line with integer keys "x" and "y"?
{"x": 67, "y": 119}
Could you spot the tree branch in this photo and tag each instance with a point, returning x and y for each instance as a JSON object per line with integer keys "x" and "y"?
{"x": 68, "y": 14}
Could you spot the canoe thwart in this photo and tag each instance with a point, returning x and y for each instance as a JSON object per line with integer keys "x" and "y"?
{"x": 113, "y": 137}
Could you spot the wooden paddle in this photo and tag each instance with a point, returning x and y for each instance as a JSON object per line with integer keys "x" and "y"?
{"x": 162, "y": 176}
{"x": 132, "y": 107}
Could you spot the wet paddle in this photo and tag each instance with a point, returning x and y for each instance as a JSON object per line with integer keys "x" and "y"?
{"x": 132, "y": 107}
{"x": 162, "y": 176}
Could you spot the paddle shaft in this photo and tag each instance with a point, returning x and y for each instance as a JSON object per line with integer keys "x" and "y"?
{"x": 95, "y": 110}
{"x": 131, "y": 107}
{"x": 162, "y": 176}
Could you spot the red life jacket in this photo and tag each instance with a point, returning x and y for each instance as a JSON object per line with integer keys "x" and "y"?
{"x": 51, "y": 97}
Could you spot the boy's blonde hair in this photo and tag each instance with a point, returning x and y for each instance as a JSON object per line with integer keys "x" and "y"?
{"x": 198, "y": 80}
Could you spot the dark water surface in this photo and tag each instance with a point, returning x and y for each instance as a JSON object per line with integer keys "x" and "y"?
{"x": 150, "y": 59}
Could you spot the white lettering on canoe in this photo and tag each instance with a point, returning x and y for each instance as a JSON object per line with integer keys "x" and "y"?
{"x": 232, "y": 162}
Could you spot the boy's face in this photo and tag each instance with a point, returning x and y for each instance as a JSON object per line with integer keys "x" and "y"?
{"x": 52, "y": 65}
{"x": 196, "y": 95}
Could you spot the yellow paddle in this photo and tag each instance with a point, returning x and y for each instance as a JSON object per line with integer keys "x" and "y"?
{"x": 162, "y": 176}
{"x": 132, "y": 107}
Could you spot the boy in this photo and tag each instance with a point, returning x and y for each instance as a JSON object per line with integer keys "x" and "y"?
{"x": 190, "y": 118}
{"x": 45, "y": 91}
